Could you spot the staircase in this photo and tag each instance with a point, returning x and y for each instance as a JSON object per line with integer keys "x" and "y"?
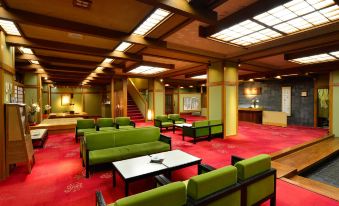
{"x": 133, "y": 111}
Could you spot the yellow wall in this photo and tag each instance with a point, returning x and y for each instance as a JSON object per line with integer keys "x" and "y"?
{"x": 140, "y": 83}
{"x": 214, "y": 96}
{"x": 335, "y": 103}
{"x": 159, "y": 98}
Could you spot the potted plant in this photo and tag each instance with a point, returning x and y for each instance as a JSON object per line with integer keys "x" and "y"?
{"x": 32, "y": 110}
{"x": 46, "y": 112}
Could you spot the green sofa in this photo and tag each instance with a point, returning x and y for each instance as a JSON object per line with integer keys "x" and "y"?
{"x": 176, "y": 119}
{"x": 162, "y": 121}
{"x": 173, "y": 194}
{"x": 205, "y": 128}
{"x": 83, "y": 126}
{"x": 124, "y": 122}
{"x": 104, "y": 124}
{"x": 115, "y": 145}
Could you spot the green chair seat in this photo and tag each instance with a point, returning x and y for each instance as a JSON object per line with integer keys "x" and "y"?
{"x": 167, "y": 124}
{"x": 107, "y": 128}
{"x": 126, "y": 127}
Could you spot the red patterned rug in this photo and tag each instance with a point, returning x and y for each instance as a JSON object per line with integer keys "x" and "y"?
{"x": 58, "y": 178}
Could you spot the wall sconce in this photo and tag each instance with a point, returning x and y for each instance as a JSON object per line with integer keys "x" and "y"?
{"x": 149, "y": 115}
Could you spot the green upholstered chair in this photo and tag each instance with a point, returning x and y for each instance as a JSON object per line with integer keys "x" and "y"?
{"x": 162, "y": 121}
{"x": 176, "y": 119}
{"x": 104, "y": 124}
{"x": 198, "y": 129}
{"x": 124, "y": 122}
{"x": 216, "y": 128}
{"x": 83, "y": 126}
{"x": 258, "y": 179}
{"x": 214, "y": 187}
{"x": 173, "y": 194}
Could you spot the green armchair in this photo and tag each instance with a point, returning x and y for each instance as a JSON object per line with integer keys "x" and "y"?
{"x": 162, "y": 121}
{"x": 257, "y": 178}
{"x": 214, "y": 187}
{"x": 173, "y": 194}
{"x": 197, "y": 130}
{"x": 83, "y": 126}
{"x": 176, "y": 119}
{"x": 124, "y": 123}
{"x": 104, "y": 124}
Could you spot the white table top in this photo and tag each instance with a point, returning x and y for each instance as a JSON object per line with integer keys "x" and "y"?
{"x": 137, "y": 166}
{"x": 37, "y": 133}
{"x": 142, "y": 165}
{"x": 176, "y": 158}
{"x": 184, "y": 124}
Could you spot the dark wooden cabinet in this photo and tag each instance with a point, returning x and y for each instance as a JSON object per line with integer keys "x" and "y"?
{"x": 250, "y": 115}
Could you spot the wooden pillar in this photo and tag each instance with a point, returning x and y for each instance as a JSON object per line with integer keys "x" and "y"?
{"x": 39, "y": 97}
{"x": 2, "y": 127}
{"x": 124, "y": 97}
{"x": 112, "y": 99}
{"x": 222, "y": 95}
{"x": 158, "y": 98}
{"x": 334, "y": 103}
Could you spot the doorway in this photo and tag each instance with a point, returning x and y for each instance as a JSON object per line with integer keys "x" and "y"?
{"x": 323, "y": 108}
{"x": 168, "y": 103}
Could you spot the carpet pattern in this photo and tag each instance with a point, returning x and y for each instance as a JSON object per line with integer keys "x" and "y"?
{"x": 58, "y": 177}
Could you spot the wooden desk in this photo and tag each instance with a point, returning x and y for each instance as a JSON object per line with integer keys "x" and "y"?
{"x": 67, "y": 115}
{"x": 250, "y": 115}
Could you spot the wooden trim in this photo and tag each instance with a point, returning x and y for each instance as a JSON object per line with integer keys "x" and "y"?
{"x": 315, "y": 103}
{"x": 124, "y": 96}
{"x": 331, "y": 104}
{"x": 335, "y": 84}
{"x": 223, "y": 83}
{"x": 39, "y": 97}
{"x": 31, "y": 86}
{"x": 274, "y": 124}
{"x": 112, "y": 99}
{"x": 8, "y": 68}
{"x": 3, "y": 174}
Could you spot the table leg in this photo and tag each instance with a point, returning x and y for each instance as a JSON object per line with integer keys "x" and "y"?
{"x": 173, "y": 129}
{"x": 126, "y": 188}
{"x": 114, "y": 177}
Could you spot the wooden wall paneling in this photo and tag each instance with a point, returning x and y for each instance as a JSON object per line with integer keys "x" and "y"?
{"x": 315, "y": 103}
{"x": 124, "y": 96}
{"x": 3, "y": 173}
{"x": 112, "y": 99}
{"x": 331, "y": 104}
{"x": 39, "y": 97}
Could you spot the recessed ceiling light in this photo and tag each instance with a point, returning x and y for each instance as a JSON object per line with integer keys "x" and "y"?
{"x": 181, "y": 87}
{"x": 147, "y": 70}
{"x": 108, "y": 60}
{"x": 294, "y": 16}
{"x": 278, "y": 77}
{"x": 123, "y": 46}
{"x": 161, "y": 80}
{"x": 34, "y": 61}
{"x": 25, "y": 50}
{"x": 156, "y": 18}
{"x": 288, "y": 75}
{"x": 9, "y": 27}
{"x": 166, "y": 85}
{"x": 203, "y": 85}
{"x": 191, "y": 86}
{"x": 204, "y": 76}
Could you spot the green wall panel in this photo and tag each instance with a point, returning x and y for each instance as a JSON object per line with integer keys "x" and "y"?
{"x": 159, "y": 103}
{"x": 92, "y": 104}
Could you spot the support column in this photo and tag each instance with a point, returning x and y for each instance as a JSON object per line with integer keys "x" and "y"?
{"x": 222, "y": 95}
{"x": 158, "y": 98}
{"x": 124, "y": 97}
{"x": 2, "y": 127}
{"x": 39, "y": 98}
{"x": 334, "y": 103}
{"x": 112, "y": 99}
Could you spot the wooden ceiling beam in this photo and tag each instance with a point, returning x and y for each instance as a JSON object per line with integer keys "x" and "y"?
{"x": 194, "y": 9}
{"x": 71, "y": 48}
{"x": 241, "y": 15}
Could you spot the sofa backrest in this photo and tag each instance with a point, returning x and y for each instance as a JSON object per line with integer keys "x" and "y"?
{"x": 163, "y": 118}
{"x": 105, "y": 122}
{"x": 201, "y": 131}
{"x": 100, "y": 140}
{"x": 173, "y": 194}
{"x": 122, "y": 121}
{"x": 262, "y": 188}
{"x": 175, "y": 117}
{"x": 85, "y": 123}
{"x": 200, "y": 186}
{"x": 137, "y": 136}
{"x": 215, "y": 129}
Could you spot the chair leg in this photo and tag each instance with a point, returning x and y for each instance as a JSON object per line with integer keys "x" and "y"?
{"x": 273, "y": 201}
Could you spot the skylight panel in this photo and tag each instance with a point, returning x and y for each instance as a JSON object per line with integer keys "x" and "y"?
{"x": 156, "y": 18}
{"x": 123, "y": 46}
{"x": 336, "y": 54}
{"x": 292, "y": 17}
{"x": 9, "y": 27}
{"x": 108, "y": 60}
{"x": 25, "y": 50}
{"x": 203, "y": 76}
{"x": 34, "y": 62}
{"x": 147, "y": 70}
{"x": 319, "y": 58}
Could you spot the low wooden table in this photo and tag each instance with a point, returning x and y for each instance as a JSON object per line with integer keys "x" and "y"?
{"x": 140, "y": 167}
{"x": 181, "y": 126}
{"x": 39, "y": 136}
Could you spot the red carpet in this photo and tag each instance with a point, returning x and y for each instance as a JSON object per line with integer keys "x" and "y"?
{"x": 57, "y": 177}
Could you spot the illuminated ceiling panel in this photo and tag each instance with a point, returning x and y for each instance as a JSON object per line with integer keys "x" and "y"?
{"x": 203, "y": 76}
{"x": 147, "y": 70}
{"x": 9, "y": 27}
{"x": 292, "y": 17}
{"x": 318, "y": 58}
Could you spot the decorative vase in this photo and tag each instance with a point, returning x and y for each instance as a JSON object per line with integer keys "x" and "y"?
{"x": 31, "y": 119}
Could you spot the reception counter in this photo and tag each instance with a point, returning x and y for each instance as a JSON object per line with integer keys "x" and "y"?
{"x": 250, "y": 115}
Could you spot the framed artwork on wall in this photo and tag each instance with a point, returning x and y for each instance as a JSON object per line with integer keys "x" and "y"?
{"x": 191, "y": 103}
{"x": 286, "y": 100}
{"x": 304, "y": 94}
{"x": 65, "y": 99}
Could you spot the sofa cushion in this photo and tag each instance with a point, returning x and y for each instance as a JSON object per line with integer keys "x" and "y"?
{"x": 173, "y": 194}
{"x": 148, "y": 148}
{"x": 105, "y": 122}
{"x": 126, "y": 127}
{"x": 205, "y": 184}
{"x": 99, "y": 140}
{"x": 166, "y": 124}
{"x": 174, "y": 117}
{"x": 122, "y": 120}
{"x": 162, "y": 118}
{"x": 107, "y": 128}
{"x": 253, "y": 166}
{"x": 85, "y": 123}
{"x": 136, "y": 136}
{"x": 82, "y": 132}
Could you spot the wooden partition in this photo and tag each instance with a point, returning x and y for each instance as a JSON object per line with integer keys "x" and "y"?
{"x": 274, "y": 118}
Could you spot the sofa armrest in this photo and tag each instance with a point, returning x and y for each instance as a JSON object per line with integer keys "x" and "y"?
{"x": 100, "y": 199}
{"x": 203, "y": 168}
{"x": 235, "y": 159}
{"x": 166, "y": 139}
{"x": 161, "y": 180}
{"x": 132, "y": 123}
{"x": 183, "y": 119}
{"x": 157, "y": 122}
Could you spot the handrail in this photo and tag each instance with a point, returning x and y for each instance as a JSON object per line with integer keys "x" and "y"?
{"x": 135, "y": 94}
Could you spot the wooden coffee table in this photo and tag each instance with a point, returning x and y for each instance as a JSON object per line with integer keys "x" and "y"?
{"x": 140, "y": 167}
{"x": 40, "y": 136}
